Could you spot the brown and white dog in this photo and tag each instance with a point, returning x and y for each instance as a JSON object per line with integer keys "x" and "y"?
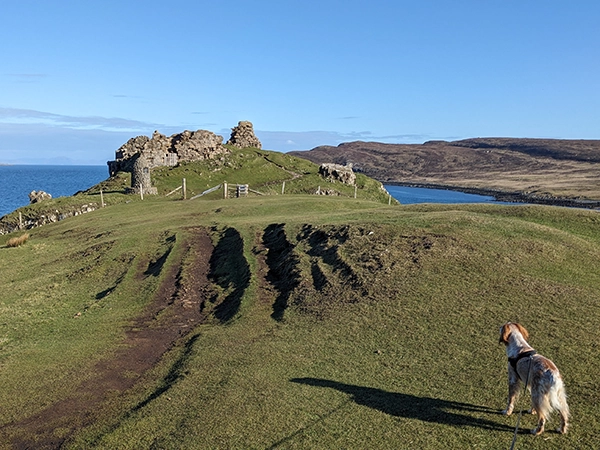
{"x": 543, "y": 379}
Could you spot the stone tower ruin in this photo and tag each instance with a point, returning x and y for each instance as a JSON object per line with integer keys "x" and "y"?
{"x": 243, "y": 136}
{"x": 140, "y": 177}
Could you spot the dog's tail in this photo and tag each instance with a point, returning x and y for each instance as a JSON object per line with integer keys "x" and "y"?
{"x": 558, "y": 398}
{"x": 555, "y": 399}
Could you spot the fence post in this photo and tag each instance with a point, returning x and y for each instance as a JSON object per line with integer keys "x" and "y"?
{"x": 183, "y": 188}
{"x": 101, "y": 198}
{"x": 225, "y": 193}
{"x": 355, "y": 188}
{"x": 283, "y": 188}
{"x": 389, "y": 199}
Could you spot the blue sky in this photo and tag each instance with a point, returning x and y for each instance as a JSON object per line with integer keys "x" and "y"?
{"x": 79, "y": 78}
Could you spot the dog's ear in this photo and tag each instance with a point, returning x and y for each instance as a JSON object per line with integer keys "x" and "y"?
{"x": 523, "y": 331}
{"x": 504, "y": 333}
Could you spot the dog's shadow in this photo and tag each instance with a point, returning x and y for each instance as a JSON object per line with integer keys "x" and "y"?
{"x": 413, "y": 407}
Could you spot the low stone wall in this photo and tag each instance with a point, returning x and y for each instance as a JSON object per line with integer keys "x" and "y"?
{"x": 10, "y": 223}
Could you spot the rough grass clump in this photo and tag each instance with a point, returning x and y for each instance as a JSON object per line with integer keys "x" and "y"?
{"x": 17, "y": 241}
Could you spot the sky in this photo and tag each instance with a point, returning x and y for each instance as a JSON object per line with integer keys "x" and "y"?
{"x": 80, "y": 78}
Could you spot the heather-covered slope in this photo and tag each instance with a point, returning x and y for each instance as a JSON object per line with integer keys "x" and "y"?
{"x": 533, "y": 169}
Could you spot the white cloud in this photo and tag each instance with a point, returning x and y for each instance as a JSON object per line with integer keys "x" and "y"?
{"x": 28, "y": 116}
{"x": 37, "y": 137}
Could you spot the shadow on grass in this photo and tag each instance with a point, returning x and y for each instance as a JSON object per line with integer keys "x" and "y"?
{"x": 110, "y": 290}
{"x": 155, "y": 267}
{"x": 284, "y": 274}
{"x": 230, "y": 270}
{"x": 325, "y": 246}
{"x": 413, "y": 407}
{"x": 175, "y": 373}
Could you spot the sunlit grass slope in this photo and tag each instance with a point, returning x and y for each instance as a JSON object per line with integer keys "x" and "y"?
{"x": 357, "y": 324}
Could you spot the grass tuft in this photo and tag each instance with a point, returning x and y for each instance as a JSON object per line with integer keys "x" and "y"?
{"x": 17, "y": 241}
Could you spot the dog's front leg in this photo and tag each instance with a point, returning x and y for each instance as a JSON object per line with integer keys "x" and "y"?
{"x": 514, "y": 385}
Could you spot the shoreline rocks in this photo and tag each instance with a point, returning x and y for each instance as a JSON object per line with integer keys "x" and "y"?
{"x": 38, "y": 196}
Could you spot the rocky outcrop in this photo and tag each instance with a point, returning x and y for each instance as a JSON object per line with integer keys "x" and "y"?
{"x": 38, "y": 196}
{"x": 337, "y": 172}
{"x": 160, "y": 150}
{"x": 243, "y": 136}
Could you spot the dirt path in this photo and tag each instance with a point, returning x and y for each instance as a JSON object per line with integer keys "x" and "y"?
{"x": 176, "y": 309}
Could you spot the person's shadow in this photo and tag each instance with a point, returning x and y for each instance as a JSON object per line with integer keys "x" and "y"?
{"x": 413, "y": 407}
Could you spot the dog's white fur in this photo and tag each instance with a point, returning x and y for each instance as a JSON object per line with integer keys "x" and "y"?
{"x": 544, "y": 383}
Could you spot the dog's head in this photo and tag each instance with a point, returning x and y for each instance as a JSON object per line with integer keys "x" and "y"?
{"x": 508, "y": 328}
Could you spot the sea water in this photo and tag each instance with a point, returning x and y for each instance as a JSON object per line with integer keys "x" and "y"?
{"x": 408, "y": 195}
{"x": 16, "y": 182}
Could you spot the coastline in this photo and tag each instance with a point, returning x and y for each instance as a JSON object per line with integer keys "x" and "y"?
{"x": 504, "y": 196}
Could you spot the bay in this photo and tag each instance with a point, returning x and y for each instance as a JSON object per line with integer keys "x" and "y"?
{"x": 17, "y": 181}
{"x": 407, "y": 195}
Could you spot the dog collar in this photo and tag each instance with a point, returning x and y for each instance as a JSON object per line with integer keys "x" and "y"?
{"x": 513, "y": 361}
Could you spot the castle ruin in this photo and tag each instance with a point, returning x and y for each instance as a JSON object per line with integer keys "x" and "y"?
{"x": 139, "y": 155}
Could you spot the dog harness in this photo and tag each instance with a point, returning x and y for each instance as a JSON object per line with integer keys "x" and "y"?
{"x": 513, "y": 361}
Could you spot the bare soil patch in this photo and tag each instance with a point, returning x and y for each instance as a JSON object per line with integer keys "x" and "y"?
{"x": 175, "y": 311}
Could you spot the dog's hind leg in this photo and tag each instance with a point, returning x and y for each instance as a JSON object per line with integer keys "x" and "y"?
{"x": 564, "y": 422}
{"x": 563, "y": 409}
{"x": 542, "y": 406}
{"x": 540, "y": 426}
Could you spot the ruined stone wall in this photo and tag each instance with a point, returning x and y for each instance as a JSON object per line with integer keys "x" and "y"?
{"x": 337, "y": 172}
{"x": 243, "y": 136}
{"x": 160, "y": 150}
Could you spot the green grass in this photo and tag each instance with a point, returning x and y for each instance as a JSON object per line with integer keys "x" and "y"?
{"x": 387, "y": 337}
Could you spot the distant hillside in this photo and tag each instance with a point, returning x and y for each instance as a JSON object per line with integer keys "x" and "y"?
{"x": 529, "y": 168}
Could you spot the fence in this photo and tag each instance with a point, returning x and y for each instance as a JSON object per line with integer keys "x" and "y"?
{"x": 242, "y": 190}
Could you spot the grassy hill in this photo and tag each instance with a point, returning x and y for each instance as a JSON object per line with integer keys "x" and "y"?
{"x": 291, "y": 321}
{"x": 266, "y": 173}
{"x": 533, "y": 170}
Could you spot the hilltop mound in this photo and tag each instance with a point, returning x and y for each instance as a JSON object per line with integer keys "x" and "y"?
{"x": 291, "y": 321}
{"x": 534, "y": 169}
{"x": 206, "y": 173}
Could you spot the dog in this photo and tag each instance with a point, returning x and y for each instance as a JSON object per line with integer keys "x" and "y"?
{"x": 539, "y": 373}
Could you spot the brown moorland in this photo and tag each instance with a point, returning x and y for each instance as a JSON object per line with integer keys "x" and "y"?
{"x": 556, "y": 171}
